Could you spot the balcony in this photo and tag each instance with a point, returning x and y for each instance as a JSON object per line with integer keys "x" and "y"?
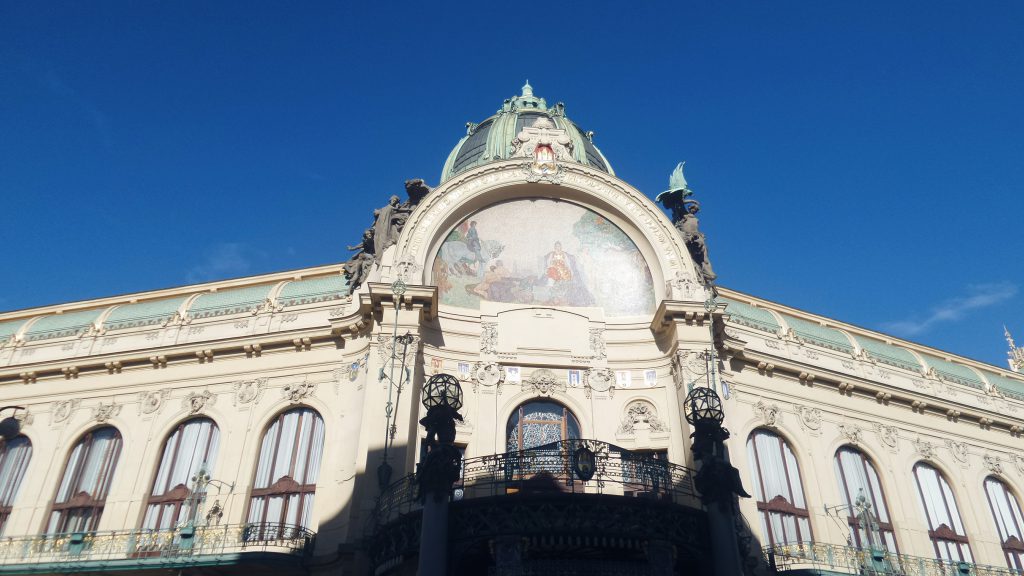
{"x": 815, "y": 558}
{"x": 265, "y": 544}
{"x": 537, "y": 496}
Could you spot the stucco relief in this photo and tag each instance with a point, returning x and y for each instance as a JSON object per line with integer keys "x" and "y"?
{"x": 488, "y": 338}
{"x": 151, "y": 402}
{"x": 809, "y": 418}
{"x": 103, "y": 412}
{"x": 888, "y": 435}
{"x": 597, "y": 347}
{"x": 488, "y": 374}
{"x": 640, "y": 413}
{"x": 196, "y": 402}
{"x": 62, "y": 410}
{"x": 958, "y": 449}
{"x": 298, "y": 391}
{"x": 925, "y": 448}
{"x": 993, "y": 463}
{"x": 598, "y": 380}
{"x": 544, "y": 382}
{"x": 852, "y": 433}
{"x": 248, "y": 391}
{"x": 769, "y": 414}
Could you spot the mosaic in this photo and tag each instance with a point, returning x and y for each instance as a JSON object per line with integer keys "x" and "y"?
{"x": 541, "y": 251}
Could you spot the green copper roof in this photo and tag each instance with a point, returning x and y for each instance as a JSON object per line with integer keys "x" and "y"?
{"x": 817, "y": 334}
{"x": 312, "y": 290}
{"x": 1011, "y": 387}
{"x": 491, "y": 140}
{"x": 143, "y": 313}
{"x": 757, "y": 318}
{"x": 888, "y": 354}
{"x": 9, "y": 328}
{"x": 954, "y": 372}
{"x": 229, "y": 301}
{"x": 61, "y": 325}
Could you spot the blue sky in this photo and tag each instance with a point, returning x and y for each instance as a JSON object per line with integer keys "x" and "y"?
{"x": 864, "y": 161}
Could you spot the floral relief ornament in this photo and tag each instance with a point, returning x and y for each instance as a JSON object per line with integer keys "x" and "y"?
{"x": 298, "y": 391}
{"x": 810, "y": 418}
{"x": 195, "y": 402}
{"x": 103, "y": 412}
{"x": 248, "y": 391}
{"x": 769, "y": 414}
{"x": 63, "y": 409}
{"x": 150, "y": 402}
{"x": 641, "y": 412}
{"x": 959, "y": 450}
{"x": 924, "y": 448}
{"x": 887, "y": 434}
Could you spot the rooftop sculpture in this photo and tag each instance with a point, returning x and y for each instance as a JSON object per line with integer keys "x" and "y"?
{"x": 677, "y": 199}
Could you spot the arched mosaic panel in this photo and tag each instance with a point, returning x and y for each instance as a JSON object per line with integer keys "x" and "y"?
{"x": 546, "y": 252}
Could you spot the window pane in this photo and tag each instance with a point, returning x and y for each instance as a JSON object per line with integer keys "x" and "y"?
{"x": 88, "y": 473}
{"x": 191, "y": 447}
{"x": 778, "y": 488}
{"x": 292, "y": 448}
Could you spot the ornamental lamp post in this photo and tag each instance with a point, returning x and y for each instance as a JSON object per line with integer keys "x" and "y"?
{"x": 717, "y": 480}
{"x": 440, "y": 468}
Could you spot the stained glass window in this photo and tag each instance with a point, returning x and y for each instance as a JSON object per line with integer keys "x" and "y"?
{"x": 538, "y": 423}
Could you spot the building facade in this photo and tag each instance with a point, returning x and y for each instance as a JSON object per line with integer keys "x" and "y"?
{"x": 271, "y": 423}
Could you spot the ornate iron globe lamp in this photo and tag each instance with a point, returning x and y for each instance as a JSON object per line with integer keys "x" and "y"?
{"x": 442, "y": 391}
{"x": 703, "y": 406}
{"x": 10, "y": 426}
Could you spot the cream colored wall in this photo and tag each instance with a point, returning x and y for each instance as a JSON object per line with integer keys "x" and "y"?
{"x": 812, "y": 406}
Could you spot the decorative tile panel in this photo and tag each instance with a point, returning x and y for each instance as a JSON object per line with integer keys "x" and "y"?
{"x": 954, "y": 372}
{"x": 747, "y": 315}
{"x": 312, "y": 290}
{"x": 143, "y": 313}
{"x": 229, "y": 301}
{"x": 10, "y": 328}
{"x": 889, "y": 354}
{"x": 817, "y": 334}
{"x": 62, "y": 325}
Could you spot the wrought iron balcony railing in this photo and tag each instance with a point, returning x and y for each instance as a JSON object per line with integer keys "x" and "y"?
{"x": 186, "y": 545}
{"x": 849, "y": 560}
{"x": 549, "y": 469}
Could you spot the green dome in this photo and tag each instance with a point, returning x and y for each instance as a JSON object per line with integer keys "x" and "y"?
{"x": 491, "y": 140}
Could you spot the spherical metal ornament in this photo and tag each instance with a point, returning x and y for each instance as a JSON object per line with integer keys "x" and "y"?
{"x": 703, "y": 405}
{"x": 10, "y": 427}
{"x": 442, "y": 390}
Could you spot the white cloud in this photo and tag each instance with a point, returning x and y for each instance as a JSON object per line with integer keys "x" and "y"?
{"x": 953, "y": 309}
{"x": 225, "y": 260}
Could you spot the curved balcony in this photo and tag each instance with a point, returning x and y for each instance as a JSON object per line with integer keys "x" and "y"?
{"x": 189, "y": 546}
{"x": 817, "y": 558}
{"x": 537, "y": 497}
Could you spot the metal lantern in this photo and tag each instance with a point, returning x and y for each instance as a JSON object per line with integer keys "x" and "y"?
{"x": 703, "y": 406}
{"x": 9, "y": 428}
{"x": 442, "y": 390}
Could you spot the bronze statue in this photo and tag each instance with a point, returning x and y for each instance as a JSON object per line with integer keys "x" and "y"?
{"x": 684, "y": 215}
{"x": 387, "y": 226}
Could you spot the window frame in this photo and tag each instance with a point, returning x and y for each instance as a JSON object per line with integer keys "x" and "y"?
{"x": 943, "y": 534}
{"x": 180, "y": 493}
{"x": 778, "y": 503}
{"x": 1013, "y": 547}
{"x": 518, "y": 415}
{"x": 81, "y": 500}
{"x": 13, "y": 487}
{"x": 869, "y": 467}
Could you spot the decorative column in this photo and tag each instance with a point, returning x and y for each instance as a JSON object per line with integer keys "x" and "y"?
{"x": 717, "y": 480}
{"x": 442, "y": 397}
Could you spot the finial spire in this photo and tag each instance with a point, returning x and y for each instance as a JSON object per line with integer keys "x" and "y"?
{"x": 527, "y": 89}
{"x": 1016, "y": 354}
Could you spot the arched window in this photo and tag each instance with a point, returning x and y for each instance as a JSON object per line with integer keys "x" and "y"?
{"x": 945, "y": 527}
{"x": 191, "y": 447}
{"x": 1006, "y": 512}
{"x": 779, "y": 490}
{"x": 538, "y": 423}
{"x": 282, "y": 493}
{"x": 14, "y": 456}
{"x": 862, "y": 493}
{"x": 86, "y": 482}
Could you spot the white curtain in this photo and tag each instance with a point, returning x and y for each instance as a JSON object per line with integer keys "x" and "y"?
{"x": 90, "y": 469}
{"x": 940, "y": 509}
{"x": 776, "y": 473}
{"x": 13, "y": 462}
{"x": 856, "y": 475}
{"x": 1007, "y": 515}
{"x": 190, "y": 448}
{"x": 293, "y": 447}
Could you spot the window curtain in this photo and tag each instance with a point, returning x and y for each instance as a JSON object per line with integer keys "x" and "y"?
{"x": 14, "y": 457}
{"x": 286, "y": 474}
{"x": 86, "y": 482}
{"x": 857, "y": 477}
{"x": 945, "y": 528}
{"x": 190, "y": 448}
{"x": 778, "y": 488}
{"x": 1006, "y": 512}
